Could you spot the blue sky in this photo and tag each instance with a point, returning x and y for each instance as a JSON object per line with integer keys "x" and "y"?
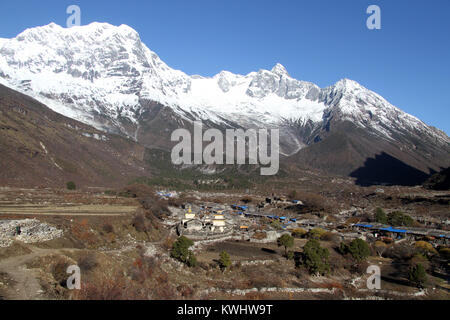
{"x": 322, "y": 41}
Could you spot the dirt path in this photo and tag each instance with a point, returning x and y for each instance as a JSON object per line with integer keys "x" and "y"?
{"x": 25, "y": 284}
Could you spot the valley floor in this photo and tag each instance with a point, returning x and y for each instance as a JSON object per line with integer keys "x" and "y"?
{"x": 119, "y": 260}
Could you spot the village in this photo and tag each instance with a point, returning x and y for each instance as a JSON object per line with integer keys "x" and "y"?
{"x": 267, "y": 221}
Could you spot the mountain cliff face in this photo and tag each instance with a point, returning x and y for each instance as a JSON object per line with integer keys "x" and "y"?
{"x": 105, "y": 76}
{"x": 39, "y": 147}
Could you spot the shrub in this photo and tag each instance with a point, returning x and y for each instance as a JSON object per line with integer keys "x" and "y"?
{"x": 139, "y": 223}
{"x": 400, "y": 252}
{"x": 71, "y": 185}
{"x": 315, "y": 258}
{"x": 138, "y": 191}
{"x": 87, "y": 261}
{"x": 380, "y": 216}
{"x": 358, "y": 249}
{"x": 109, "y": 288}
{"x": 425, "y": 248}
{"x": 192, "y": 260}
{"x": 316, "y": 233}
{"x": 224, "y": 260}
{"x": 338, "y": 262}
{"x": 331, "y": 237}
{"x": 139, "y": 271}
{"x": 380, "y": 247}
{"x": 168, "y": 243}
{"x": 299, "y": 233}
{"x": 312, "y": 201}
{"x": 59, "y": 272}
{"x": 286, "y": 241}
{"x": 276, "y": 225}
{"x": 290, "y": 255}
{"x": 398, "y": 218}
{"x": 175, "y": 202}
{"x": 360, "y": 267}
{"x": 157, "y": 207}
{"x": 419, "y": 259}
{"x": 108, "y": 228}
{"x": 417, "y": 275}
{"x": 445, "y": 252}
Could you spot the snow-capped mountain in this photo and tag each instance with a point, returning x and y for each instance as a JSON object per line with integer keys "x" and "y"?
{"x": 106, "y": 69}
{"x": 105, "y": 76}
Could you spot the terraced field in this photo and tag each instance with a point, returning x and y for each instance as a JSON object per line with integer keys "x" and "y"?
{"x": 35, "y": 203}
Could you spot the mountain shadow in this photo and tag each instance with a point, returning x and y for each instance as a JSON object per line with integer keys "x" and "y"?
{"x": 439, "y": 181}
{"x": 387, "y": 170}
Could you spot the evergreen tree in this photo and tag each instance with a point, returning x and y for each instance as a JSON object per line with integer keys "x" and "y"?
{"x": 225, "y": 260}
{"x": 180, "y": 251}
{"x": 359, "y": 249}
{"x": 418, "y": 275}
{"x": 315, "y": 258}
{"x": 286, "y": 241}
{"x": 380, "y": 216}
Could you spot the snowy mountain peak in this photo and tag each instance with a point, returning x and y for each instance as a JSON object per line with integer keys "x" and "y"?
{"x": 93, "y": 32}
{"x": 280, "y": 70}
{"x": 347, "y": 83}
{"x": 100, "y": 74}
{"x": 38, "y": 33}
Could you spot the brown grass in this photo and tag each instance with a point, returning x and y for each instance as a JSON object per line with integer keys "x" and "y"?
{"x": 87, "y": 261}
{"x": 109, "y": 288}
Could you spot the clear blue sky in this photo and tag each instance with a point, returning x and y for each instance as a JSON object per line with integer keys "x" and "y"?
{"x": 407, "y": 61}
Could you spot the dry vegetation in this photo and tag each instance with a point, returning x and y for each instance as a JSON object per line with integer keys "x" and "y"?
{"x": 113, "y": 255}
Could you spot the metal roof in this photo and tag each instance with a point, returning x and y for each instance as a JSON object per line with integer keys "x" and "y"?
{"x": 364, "y": 225}
{"x": 390, "y": 229}
{"x": 417, "y": 231}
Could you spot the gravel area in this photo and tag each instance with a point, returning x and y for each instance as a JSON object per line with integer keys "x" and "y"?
{"x": 32, "y": 231}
